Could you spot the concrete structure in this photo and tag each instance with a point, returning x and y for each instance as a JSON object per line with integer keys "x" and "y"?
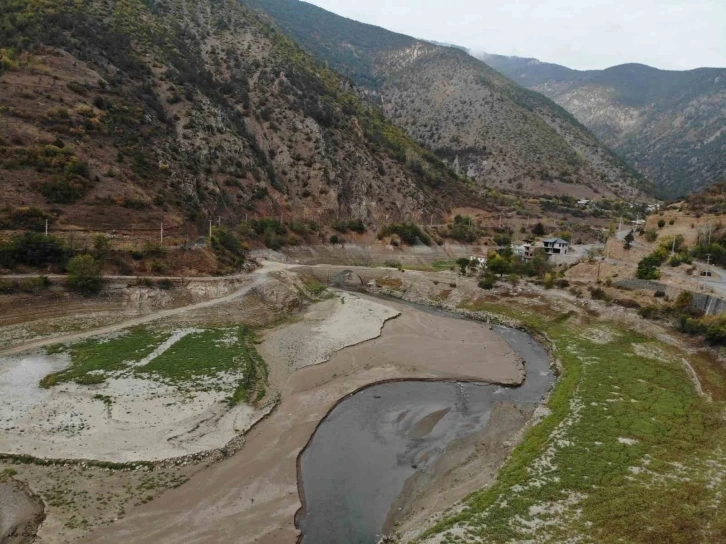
{"x": 555, "y": 246}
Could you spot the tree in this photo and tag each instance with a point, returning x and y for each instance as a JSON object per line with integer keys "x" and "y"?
{"x": 661, "y": 223}
{"x": 538, "y": 229}
{"x": 101, "y": 246}
{"x": 629, "y": 239}
{"x": 648, "y": 267}
{"x": 84, "y": 275}
{"x": 496, "y": 264}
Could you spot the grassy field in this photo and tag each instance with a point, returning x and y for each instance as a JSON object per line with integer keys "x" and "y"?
{"x": 221, "y": 359}
{"x": 92, "y": 359}
{"x": 629, "y": 453}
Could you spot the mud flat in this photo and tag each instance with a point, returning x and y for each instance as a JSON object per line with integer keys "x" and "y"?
{"x": 253, "y": 495}
{"x": 374, "y": 442}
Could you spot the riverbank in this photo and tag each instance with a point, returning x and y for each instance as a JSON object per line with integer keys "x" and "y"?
{"x": 258, "y": 487}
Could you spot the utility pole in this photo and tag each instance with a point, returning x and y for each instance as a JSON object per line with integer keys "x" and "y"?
{"x": 219, "y": 221}
{"x": 46, "y": 227}
{"x": 621, "y": 224}
{"x": 210, "y": 230}
{"x": 673, "y": 247}
{"x": 161, "y": 236}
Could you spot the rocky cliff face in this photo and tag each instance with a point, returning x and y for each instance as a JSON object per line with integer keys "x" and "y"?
{"x": 126, "y": 114}
{"x": 670, "y": 125}
{"x": 496, "y": 132}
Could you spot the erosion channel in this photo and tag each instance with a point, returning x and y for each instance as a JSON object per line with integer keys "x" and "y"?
{"x": 361, "y": 469}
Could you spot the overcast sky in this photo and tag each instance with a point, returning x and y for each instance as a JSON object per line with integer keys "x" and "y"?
{"x": 584, "y": 34}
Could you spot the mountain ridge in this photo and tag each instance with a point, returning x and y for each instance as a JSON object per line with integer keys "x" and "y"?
{"x": 670, "y": 124}
{"x": 174, "y": 111}
{"x": 496, "y": 132}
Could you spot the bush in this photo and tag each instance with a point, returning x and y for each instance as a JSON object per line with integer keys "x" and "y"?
{"x": 627, "y": 303}
{"x": 659, "y": 294}
{"x": 648, "y": 266}
{"x": 164, "y": 284}
{"x": 84, "y": 275}
{"x": 393, "y": 264}
{"x": 649, "y": 312}
{"x": 651, "y": 236}
{"x": 487, "y": 282}
{"x": 410, "y": 233}
{"x": 538, "y": 230}
{"x": 661, "y": 223}
{"x": 716, "y": 331}
{"x": 32, "y": 249}
{"x": 598, "y": 294}
{"x": 34, "y": 285}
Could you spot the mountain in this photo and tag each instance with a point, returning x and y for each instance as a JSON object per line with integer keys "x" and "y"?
{"x": 495, "y": 131}
{"x": 126, "y": 114}
{"x": 671, "y": 125}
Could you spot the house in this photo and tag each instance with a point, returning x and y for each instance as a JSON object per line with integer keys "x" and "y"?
{"x": 555, "y": 246}
{"x": 525, "y": 251}
{"x": 477, "y": 260}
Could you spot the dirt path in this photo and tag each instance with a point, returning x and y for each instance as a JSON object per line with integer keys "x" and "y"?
{"x": 253, "y": 496}
{"x": 256, "y": 279}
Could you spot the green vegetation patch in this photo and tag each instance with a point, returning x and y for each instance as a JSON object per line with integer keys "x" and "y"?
{"x": 221, "y": 360}
{"x": 93, "y": 359}
{"x": 630, "y": 452}
{"x": 200, "y": 357}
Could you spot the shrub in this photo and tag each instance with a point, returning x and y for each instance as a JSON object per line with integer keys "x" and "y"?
{"x": 649, "y": 312}
{"x": 34, "y": 285}
{"x": 627, "y": 303}
{"x": 562, "y": 283}
{"x": 488, "y": 282}
{"x": 659, "y": 294}
{"x": 661, "y": 223}
{"x": 651, "y": 235}
{"x": 410, "y": 233}
{"x": 598, "y": 294}
{"x": 164, "y": 284}
{"x": 84, "y": 275}
{"x": 393, "y": 264}
{"x": 716, "y": 331}
{"x": 538, "y": 229}
{"x": 32, "y": 249}
{"x": 648, "y": 267}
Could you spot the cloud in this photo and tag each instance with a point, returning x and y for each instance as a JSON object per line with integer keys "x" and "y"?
{"x": 670, "y": 34}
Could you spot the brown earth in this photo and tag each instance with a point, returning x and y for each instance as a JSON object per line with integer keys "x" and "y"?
{"x": 257, "y": 488}
{"x": 21, "y": 512}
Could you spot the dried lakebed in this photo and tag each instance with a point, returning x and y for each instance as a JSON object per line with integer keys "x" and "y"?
{"x": 360, "y": 466}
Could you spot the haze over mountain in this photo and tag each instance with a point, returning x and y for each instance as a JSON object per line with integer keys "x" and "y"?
{"x": 671, "y": 125}
{"x": 496, "y": 132}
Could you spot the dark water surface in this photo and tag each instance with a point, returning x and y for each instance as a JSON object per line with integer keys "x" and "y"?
{"x": 366, "y": 448}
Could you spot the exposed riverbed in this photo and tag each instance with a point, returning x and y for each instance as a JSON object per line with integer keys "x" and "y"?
{"x": 373, "y": 442}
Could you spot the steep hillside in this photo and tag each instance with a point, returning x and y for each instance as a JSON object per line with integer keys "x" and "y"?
{"x": 671, "y": 125}
{"x": 121, "y": 115}
{"x": 487, "y": 127}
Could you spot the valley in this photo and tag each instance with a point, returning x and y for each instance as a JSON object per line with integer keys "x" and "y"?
{"x": 318, "y": 356}
{"x": 271, "y": 275}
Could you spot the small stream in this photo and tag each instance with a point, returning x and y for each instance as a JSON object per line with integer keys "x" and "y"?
{"x": 368, "y": 446}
